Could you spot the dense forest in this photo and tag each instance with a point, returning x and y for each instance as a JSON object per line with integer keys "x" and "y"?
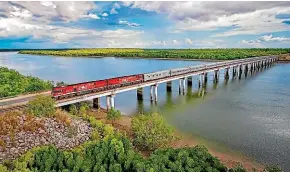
{"x": 215, "y": 54}
{"x": 12, "y": 83}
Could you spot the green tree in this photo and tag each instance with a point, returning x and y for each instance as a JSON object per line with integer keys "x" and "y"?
{"x": 41, "y": 106}
{"x": 113, "y": 115}
{"x": 151, "y": 131}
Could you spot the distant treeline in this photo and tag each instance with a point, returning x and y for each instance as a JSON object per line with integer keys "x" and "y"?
{"x": 215, "y": 54}
{"x": 12, "y": 83}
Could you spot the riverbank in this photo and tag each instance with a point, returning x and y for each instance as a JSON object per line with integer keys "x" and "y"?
{"x": 198, "y": 54}
{"x": 284, "y": 57}
{"x": 228, "y": 157}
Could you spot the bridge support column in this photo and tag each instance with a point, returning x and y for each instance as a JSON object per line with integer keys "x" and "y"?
{"x": 216, "y": 76}
{"x": 169, "y": 86}
{"x": 184, "y": 85}
{"x": 108, "y": 102}
{"x": 189, "y": 81}
{"x": 204, "y": 79}
{"x": 240, "y": 71}
{"x": 151, "y": 92}
{"x": 227, "y": 73}
{"x": 112, "y": 101}
{"x": 155, "y": 93}
{"x": 234, "y": 71}
{"x": 96, "y": 103}
{"x": 246, "y": 69}
{"x": 252, "y": 67}
{"x": 200, "y": 81}
{"x": 180, "y": 86}
{"x": 140, "y": 93}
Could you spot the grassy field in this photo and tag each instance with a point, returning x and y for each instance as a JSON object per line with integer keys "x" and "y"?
{"x": 214, "y": 54}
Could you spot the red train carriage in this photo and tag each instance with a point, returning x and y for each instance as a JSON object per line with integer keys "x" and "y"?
{"x": 124, "y": 81}
{"x": 78, "y": 89}
{"x": 95, "y": 86}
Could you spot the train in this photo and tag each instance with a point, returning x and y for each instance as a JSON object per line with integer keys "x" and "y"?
{"x": 66, "y": 91}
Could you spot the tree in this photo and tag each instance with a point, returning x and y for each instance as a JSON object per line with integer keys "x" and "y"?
{"x": 113, "y": 115}
{"x": 41, "y": 106}
{"x": 151, "y": 131}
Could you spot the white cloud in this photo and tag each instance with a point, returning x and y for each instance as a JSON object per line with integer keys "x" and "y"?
{"x": 158, "y": 43}
{"x": 264, "y": 39}
{"x": 93, "y": 16}
{"x": 270, "y": 38}
{"x": 188, "y": 41}
{"x": 175, "y": 42}
{"x": 105, "y": 14}
{"x": 127, "y": 23}
{"x": 252, "y": 43}
{"x": 113, "y": 11}
{"x": 247, "y": 17}
{"x": 116, "y": 5}
{"x": 46, "y": 11}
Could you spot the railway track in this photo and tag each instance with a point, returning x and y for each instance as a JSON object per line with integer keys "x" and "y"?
{"x": 12, "y": 108}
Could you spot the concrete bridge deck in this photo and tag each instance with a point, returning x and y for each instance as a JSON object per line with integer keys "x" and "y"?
{"x": 245, "y": 65}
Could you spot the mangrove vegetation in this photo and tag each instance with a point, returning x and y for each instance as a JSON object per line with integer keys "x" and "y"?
{"x": 13, "y": 83}
{"x": 214, "y": 54}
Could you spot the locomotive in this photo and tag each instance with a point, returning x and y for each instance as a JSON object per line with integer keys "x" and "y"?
{"x": 66, "y": 91}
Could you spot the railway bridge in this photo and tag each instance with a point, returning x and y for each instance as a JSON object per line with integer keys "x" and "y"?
{"x": 239, "y": 67}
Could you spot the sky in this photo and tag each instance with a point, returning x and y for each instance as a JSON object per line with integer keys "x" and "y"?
{"x": 154, "y": 24}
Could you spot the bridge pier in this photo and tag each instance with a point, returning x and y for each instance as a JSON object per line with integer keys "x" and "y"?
{"x": 216, "y": 76}
{"x": 108, "y": 102}
{"x": 200, "y": 80}
{"x": 180, "y": 86}
{"x": 227, "y": 76}
{"x": 96, "y": 103}
{"x": 155, "y": 92}
{"x": 151, "y": 92}
{"x": 234, "y": 71}
{"x": 184, "y": 85}
{"x": 240, "y": 71}
{"x": 112, "y": 101}
{"x": 169, "y": 86}
{"x": 246, "y": 69}
{"x": 189, "y": 81}
{"x": 140, "y": 93}
{"x": 251, "y": 68}
{"x": 204, "y": 79}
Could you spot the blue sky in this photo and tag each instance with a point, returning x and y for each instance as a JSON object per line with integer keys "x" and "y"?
{"x": 144, "y": 24}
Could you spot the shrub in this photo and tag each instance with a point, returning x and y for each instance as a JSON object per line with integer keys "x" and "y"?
{"x": 73, "y": 110}
{"x": 151, "y": 131}
{"x": 41, "y": 106}
{"x": 113, "y": 115}
{"x": 238, "y": 168}
{"x": 11, "y": 123}
{"x": 62, "y": 117}
{"x": 273, "y": 168}
{"x": 95, "y": 135}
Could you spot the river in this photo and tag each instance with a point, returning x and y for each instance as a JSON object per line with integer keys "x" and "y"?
{"x": 250, "y": 115}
